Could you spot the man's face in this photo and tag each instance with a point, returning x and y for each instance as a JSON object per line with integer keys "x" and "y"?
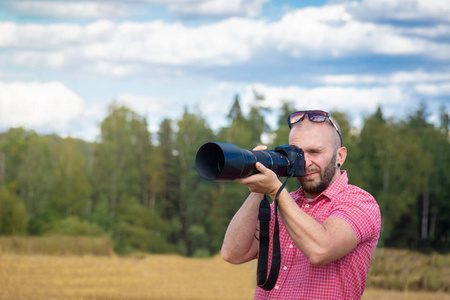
{"x": 315, "y": 139}
{"x": 315, "y": 185}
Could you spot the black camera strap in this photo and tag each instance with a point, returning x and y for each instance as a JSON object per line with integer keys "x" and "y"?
{"x": 263, "y": 281}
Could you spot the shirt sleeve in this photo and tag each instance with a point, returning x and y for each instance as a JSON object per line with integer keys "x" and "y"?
{"x": 360, "y": 210}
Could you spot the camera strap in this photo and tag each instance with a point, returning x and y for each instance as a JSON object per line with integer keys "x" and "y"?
{"x": 264, "y": 282}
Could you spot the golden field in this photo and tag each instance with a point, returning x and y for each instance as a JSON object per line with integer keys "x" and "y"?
{"x": 139, "y": 277}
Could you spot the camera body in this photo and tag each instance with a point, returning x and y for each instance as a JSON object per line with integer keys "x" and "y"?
{"x": 223, "y": 161}
{"x": 295, "y": 157}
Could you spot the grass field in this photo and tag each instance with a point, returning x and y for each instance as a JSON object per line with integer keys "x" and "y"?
{"x": 140, "y": 277}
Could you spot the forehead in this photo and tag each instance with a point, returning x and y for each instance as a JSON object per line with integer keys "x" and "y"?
{"x": 309, "y": 134}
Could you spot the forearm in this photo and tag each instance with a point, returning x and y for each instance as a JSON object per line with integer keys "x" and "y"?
{"x": 307, "y": 233}
{"x": 239, "y": 244}
{"x": 321, "y": 243}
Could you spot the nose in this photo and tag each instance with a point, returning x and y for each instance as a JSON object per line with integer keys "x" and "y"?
{"x": 307, "y": 160}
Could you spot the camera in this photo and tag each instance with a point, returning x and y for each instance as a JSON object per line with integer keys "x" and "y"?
{"x": 222, "y": 161}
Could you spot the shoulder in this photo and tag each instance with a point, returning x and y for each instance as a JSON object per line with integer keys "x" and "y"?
{"x": 360, "y": 209}
{"x": 357, "y": 197}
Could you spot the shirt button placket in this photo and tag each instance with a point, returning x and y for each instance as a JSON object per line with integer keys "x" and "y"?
{"x": 289, "y": 257}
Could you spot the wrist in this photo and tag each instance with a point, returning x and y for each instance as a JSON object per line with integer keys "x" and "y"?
{"x": 256, "y": 197}
{"x": 274, "y": 191}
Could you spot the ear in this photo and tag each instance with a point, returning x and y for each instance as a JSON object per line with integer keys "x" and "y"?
{"x": 341, "y": 155}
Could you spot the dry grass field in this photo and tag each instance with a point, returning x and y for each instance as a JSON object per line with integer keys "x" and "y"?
{"x": 139, "y": 277}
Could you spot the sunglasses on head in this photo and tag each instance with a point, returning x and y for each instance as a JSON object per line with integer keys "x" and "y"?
{"x": 318, "y": 116}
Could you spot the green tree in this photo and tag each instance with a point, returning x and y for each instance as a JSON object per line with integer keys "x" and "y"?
{"x": 439, "y": 228}
{"x": 236, "y": 111}
{"x": 141, "y": 229}
{"x": 238, "y": 132}
{"x": 157, "y": 175}
{"x": 73, "y": 226}
{"x": 434, "y": 209}
{"x": 169, "y": 172}
{"x": 394, "y": 166}
{"x": 13, "y": 217}
{"x": 121, "y": 158}
{"x": 72, "y": 189}
{"x": 13, "y": 145}
{"x": 35, "y": 179}
{"x": 371, "y": 142}
{"x": 281, "y": 134}
{"x": 256, "y": 122}
{"x": 350, "y": 139}
{"x": 193, "y": 202}
{"x": 444, "y": 118}
{"x": 245, "y": 132}
{"x": 167, "y": 177}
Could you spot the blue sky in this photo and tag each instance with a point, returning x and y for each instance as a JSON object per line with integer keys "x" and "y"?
{"x": 63, "y": 62}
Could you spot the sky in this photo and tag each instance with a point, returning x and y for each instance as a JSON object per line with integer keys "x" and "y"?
{"x": 63, "y": 63}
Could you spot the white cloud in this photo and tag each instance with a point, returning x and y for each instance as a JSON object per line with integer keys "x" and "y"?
{"x": 417, "y": 76}
{"x": 154, "y": 109}
{"x": 51, "y": 59}
{"x": 220, "y": 8}
{"x": 402, "y": 10}
{"x": 224, "y": 43}
{"x": 331, "y": 31}
{"x": 71, "y": 9}
{"x": 327, "y": 97}
{"x": 114, "y": 69}
{"x": 143, "y": 105}
{"x": 217, "y": 100}
{"x": 442, "y": 89}
{"x": 431, "y": 32}
{"x": 49, "y": 105}
{"x": 113, "y": 9}
{"x": 36, "y": 36}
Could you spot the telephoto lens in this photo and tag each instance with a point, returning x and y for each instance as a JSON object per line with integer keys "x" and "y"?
{"x": 222, "y": 161}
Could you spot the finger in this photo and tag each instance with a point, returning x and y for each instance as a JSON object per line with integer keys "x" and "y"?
{"x": 261, "y": 168}
{"x": 260, "y": 148}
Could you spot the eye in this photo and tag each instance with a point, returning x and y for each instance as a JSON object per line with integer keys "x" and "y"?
{"x": 315, "y": 151}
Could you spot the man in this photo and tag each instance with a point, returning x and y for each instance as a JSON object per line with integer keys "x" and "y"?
{"x": 328, "y": 228}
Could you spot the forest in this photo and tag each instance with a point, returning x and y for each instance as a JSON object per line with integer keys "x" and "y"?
{"x": 141, "y": 189}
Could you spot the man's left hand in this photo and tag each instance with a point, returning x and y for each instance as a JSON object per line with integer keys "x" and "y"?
{"x": 266, "y": 182}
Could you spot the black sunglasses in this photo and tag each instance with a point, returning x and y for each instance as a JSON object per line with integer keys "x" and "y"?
{"x": 318, "y": 116}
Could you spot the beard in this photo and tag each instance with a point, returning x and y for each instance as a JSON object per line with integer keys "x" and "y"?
{"x": 315, "y": 187}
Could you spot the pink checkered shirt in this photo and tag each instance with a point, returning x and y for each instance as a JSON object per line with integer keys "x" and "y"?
{"x": 344, "y": 278}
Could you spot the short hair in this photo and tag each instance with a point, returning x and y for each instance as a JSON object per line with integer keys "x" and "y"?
{"x": 337, "y": 135}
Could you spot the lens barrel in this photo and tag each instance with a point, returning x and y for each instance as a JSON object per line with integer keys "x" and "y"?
{"x": 223, "y": 161}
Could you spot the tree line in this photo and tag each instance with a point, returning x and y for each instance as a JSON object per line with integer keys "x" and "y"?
{"x": 141, "y": 189}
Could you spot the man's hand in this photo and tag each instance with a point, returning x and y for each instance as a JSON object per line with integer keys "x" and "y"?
{"x": 266, "y": 182}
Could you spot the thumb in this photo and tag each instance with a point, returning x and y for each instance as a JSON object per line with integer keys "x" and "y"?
{"x": 261, "y": 168}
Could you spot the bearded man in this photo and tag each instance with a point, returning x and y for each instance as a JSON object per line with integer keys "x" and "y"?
{"x": 328, "y": 228}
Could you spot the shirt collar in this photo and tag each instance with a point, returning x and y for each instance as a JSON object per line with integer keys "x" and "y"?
{"x": 337, "y": 186}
